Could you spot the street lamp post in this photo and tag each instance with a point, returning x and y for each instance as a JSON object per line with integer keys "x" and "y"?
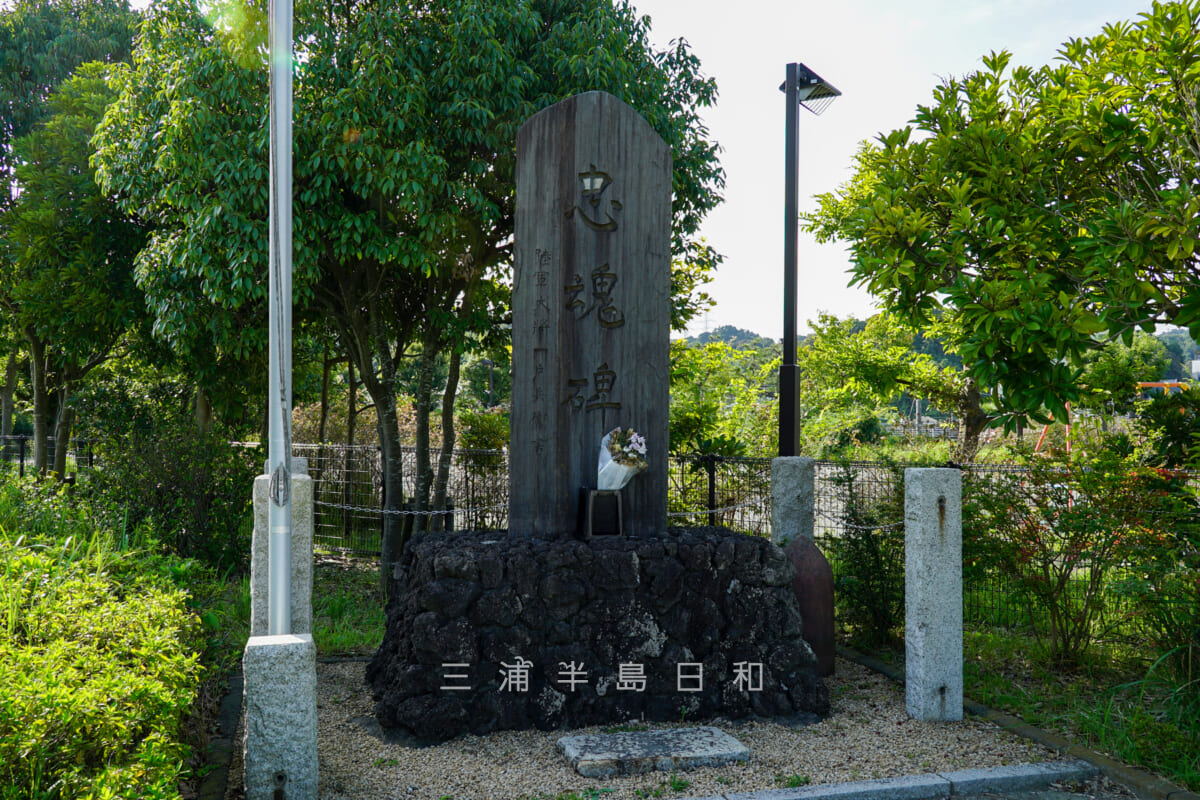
{"x": 802, "y": 87}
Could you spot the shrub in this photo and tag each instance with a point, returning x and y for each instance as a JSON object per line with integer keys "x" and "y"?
{"x": 97, "y": 663}
{"x": 1164, "y": 583}
{"x": 1170, "y": 425}
{"x": 193, "y": 489}
{"x": 485, "y": 429}
{"x": 1063, "y": 531}
{"x": 834, "y": 431}
{"x": 869, "y": 581}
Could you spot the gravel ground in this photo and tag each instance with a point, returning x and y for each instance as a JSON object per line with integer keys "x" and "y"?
{"x": 867, "y": 736}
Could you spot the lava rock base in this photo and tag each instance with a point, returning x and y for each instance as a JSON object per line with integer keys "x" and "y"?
{"x": 690, "y": 610}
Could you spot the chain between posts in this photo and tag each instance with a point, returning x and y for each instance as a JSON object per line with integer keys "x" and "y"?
{"x": 432, "y": 513}
{"x": 747, "y": 504}
{"x": 845, "y": 524}
{"x": 408, "y": 513}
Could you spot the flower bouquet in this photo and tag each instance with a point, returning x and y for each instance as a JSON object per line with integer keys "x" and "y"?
{"x": 622, "y": 455}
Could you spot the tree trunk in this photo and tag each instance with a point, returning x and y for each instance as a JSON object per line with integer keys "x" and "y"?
{"x": 62, "y": 435}
{"x": 202, "y": 411}
{"x": 973, "y": 421}
{"x": 348, "y": 453}
{"x": 7, "y": 395}
{"x": 424, "y": 407}
{"x": 351, "y": 410}
{"x": 325, "y": 366}
{"x": 442, "y": 479}
{"x": 41, "y": 402}
{"x": 394, "y": 535}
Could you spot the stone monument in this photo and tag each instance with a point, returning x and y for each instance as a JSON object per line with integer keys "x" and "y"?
{"x": 534, "y": 629}
{"x": 591, "y": 310}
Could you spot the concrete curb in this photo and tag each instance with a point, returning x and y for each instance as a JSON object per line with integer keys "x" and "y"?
{"x": 933, "y": 785}
{"x": 1146, "y": 785}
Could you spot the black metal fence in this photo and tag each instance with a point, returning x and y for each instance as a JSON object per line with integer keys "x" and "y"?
{"x": 17, "y": 452}
{"x": 715, "y": 490}
{"x": 854, "y": 503}
{"x": 348, "y": 492}
{"x": 859, "y": 526}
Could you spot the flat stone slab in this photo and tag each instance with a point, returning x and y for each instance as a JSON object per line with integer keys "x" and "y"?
{"x": 607, "y": 754}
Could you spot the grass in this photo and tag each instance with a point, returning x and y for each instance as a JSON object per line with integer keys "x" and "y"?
{"x": 675, "y": 783}
{"x": 792, "y": 781}
{"x": 99, "y": 654}
{"x": 1110, "y": 702}
{"x": 348, "y": 611}
{"x": 348, "y": 607}
{"x": 590, "y": 793}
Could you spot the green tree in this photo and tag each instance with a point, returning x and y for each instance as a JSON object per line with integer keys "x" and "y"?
{"x": 69, "y": 287}
{"x": 1040, "y": 207}
{"x": 41, "y": 44}
{"x": 722, "y": 400}
{"x": 852, "y": 370}
{"x": 1111, "y": 375}
{"x": 406, "y": 120}
{"x": 1180, "y": 349}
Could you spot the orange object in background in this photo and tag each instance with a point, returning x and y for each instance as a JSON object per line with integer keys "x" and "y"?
{"x": 1046, "y": 428}
{"x": 1168, "y": 387}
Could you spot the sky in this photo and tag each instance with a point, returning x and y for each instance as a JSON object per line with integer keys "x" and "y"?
{"x": 886, "y": 57}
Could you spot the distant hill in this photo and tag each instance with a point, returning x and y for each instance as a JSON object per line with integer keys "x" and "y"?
{"x": 734, "y": 337}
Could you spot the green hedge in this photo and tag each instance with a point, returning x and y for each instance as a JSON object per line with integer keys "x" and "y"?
{"x": 98, "y": 661}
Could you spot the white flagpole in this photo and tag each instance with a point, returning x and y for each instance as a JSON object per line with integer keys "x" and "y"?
{"x": 279, "y": 392}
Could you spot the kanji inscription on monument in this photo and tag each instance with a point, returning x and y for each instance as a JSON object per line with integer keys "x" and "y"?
{"x": 591, "y": 310}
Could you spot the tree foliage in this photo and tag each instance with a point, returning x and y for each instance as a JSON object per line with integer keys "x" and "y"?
{"x": 722, "y": 400}
{"x": 851, "y": 370}
{"x": 405, "y": 136}
{"x": 1111, "y": 375}
{"x": 69, "y": 286}
{"x": 1040, "y": 207}
{"x": 41, "y": 44}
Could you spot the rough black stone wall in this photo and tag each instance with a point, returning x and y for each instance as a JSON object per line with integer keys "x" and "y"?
{"x": 705, "y": 596}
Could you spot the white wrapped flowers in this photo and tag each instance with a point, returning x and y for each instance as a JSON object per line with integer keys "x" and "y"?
{"x": 622, "y": 455}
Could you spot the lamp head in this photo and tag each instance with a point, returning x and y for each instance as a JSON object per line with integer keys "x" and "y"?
{"x": 812, "y": 91}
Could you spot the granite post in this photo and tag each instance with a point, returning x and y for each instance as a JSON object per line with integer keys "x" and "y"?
{"x": 302, "y": 552}
{"x": 791, "y": 498}
{"x": 933, "y": 605}
{"x": 281, "y": 717}
{"x": 792, "y": 518}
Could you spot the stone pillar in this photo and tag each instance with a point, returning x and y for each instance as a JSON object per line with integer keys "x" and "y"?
{"x": 933, "y": 604}
{"x": 302, "y": 552}
{"x": 792, "y": 498}
{"x": 281, "y": 717}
